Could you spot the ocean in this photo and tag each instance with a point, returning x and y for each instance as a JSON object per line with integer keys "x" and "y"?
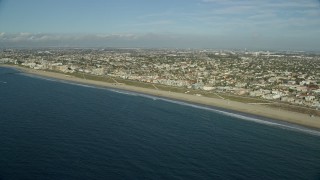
{"x": 50, "y": 129}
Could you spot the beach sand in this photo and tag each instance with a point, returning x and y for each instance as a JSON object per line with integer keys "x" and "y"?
{"x": 255, "y": 109}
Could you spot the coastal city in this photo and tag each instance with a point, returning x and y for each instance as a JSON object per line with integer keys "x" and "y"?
{"x": 284, "y": 77}
{"x": 159, "y": 89}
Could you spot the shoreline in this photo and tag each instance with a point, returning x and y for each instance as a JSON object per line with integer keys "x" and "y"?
{"x": 240, "y": 108}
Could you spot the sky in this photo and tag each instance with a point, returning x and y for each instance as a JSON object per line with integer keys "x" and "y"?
{"x": 222, "y": 24}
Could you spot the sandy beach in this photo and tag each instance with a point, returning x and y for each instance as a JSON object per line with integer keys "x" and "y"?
{"x": 255, "y": 109}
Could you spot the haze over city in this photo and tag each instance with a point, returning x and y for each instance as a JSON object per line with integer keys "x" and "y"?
{"x": 285, "y": 25}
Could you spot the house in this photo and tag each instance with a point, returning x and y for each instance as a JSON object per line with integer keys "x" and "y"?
{"x": 309, "y": 98}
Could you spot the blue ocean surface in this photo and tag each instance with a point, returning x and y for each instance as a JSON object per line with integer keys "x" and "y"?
{"x": 56, "y": 130}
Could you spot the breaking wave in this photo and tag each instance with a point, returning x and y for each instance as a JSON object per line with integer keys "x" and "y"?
{"x": 269, "y": 122}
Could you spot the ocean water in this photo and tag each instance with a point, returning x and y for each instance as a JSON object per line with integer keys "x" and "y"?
{"x": 56, "y": 130}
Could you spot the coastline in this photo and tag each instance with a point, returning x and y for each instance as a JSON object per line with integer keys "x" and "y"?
{"x": 254, "y": 109}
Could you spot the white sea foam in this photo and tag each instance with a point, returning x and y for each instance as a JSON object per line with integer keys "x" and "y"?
{"x": 123, "y": 92}
{"x": 82, "y": 85}
{"x": 62, "y": 81}
{"x": 38, "y": 77}
{"x": 291, "y": 127}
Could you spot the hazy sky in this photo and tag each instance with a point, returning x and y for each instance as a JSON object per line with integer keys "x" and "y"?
{"x": 258, "y": 24}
